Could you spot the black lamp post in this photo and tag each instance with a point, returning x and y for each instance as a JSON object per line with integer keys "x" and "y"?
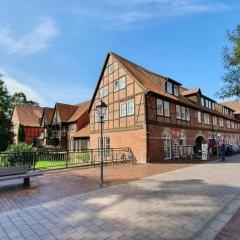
{"x": 101, "y": 108}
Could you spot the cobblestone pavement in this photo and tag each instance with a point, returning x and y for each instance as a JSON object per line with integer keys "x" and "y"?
{"x": 189, "y": 203}
{"x": 70, "y": 182}
{"x": 232, "y": 229}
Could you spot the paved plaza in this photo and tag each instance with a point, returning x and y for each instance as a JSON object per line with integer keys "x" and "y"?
{"x": 188, "y": 203}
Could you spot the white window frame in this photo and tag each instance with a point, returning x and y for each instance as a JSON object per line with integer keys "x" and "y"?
{"x": 199, "y": 117}
{"x": 188, "y": 114}
{"x": 175, "y": 90}
{"x": 110, "y": 69}
{"x": 206, "y": 119}
{"x": 119, "y": 84}
{"x": 159, "y": 107}
{"x": 122, "y": 109}
{"x": 183, "y": 113}
{"x": 166, "y": 113}
{"x": 103, "y": 92}
{"x": 132, "y": 108}
{"x": 169, "y": 87}
{"x": 178, "y": 112}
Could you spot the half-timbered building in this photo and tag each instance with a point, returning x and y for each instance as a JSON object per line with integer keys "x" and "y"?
{"x": 153, "y": 114}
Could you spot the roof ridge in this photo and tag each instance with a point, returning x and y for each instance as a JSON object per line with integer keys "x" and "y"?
{"x": 145, "y": 69}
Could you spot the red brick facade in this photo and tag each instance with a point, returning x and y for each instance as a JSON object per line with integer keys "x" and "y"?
{"x": 145, "y": 130}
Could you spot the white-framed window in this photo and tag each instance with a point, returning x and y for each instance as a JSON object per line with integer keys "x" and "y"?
{"x": 206, "y": 118}
{"x": 110, "y": 69}
{"x": 232, "y": 124}
{"x": 213, "y": 106}
{"x": 97, "y": 117}
{"x": 169, "y": 87}
{"x": 199, "y": 117}
{"x": 215, "y": 121}
{"x": 123, "y": 109}
{"x": 105, "y": 117}
{"x": 183, "y": 113}
{"x": 126, "y": 108}
{"x": 175, "y": 90}
{"x": 178, "y": 112}
{"x": 188, "y": 114}
{"x": 119, "y": 84}
{"x": 103, "y": 92}
{"x": 202, "y": 102}
{"x": 221, "y": 122}
{"x": 166, "y": 109}
{"x": 72, "y": 127}
{"x": 130, "y": 107}
{"x": 159, "y": 106}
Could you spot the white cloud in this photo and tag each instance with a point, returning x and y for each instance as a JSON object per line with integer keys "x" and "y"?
{"x": 32, "y": 42}
{"x": 14, "y": 85}
{"x": 125, "y": 12}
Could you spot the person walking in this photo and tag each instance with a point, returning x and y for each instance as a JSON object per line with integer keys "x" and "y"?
{"x": 223, "y": 151}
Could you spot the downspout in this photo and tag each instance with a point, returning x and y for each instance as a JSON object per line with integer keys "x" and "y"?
{"x": 147, "y": 126}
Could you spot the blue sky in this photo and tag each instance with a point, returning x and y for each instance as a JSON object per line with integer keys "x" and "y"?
{"x": 54, "y": 50}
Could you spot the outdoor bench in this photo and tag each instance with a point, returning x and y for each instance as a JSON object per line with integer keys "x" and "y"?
{"x": 17, "y": 172}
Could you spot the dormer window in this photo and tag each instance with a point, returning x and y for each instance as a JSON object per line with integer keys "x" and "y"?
{"x": 169, "y": 87}
{"x": 175, "y": 90}
{"x": 172, "y": 88}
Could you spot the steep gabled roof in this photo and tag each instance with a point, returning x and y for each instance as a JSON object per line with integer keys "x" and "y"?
{"x": 65, "y": 111}
{"x": 193, "y": 91}
{"x": 235, "y": 106}
{"x": 71, "y": 113}
{"x": 28, "y": 116}
{"x": 48, "y": 112}
{"x": 143, "y": 77}
{"x": 82, "y": 108}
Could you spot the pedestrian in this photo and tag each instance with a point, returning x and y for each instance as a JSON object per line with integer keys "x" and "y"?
{"x": 223, "y": 151}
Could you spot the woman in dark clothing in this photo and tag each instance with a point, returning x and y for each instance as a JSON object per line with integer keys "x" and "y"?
{"x": 223, "y": 151}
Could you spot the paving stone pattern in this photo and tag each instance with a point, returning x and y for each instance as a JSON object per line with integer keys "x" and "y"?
{"x": 181, "y": 204}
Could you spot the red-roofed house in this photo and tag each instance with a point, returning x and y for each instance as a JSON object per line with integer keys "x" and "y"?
{"x": 29, "y": 117}
{"x": 66, "y": 123}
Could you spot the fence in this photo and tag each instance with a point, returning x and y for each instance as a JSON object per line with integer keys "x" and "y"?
{"x": 65, "y": 159}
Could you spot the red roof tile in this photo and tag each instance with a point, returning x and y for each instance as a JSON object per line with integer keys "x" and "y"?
{"x": 29, "y": 115}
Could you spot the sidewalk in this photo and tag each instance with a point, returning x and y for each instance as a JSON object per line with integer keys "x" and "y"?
{"x": 189, "y": 203}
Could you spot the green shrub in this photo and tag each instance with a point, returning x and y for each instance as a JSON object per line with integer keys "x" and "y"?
{"x": 83, "y": 157}
{"x": 20, "y": 154}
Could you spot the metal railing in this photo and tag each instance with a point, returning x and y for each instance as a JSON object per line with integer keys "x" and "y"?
{"x": 64, "y": 159}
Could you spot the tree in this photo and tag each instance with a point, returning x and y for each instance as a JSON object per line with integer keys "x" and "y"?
{"x": 6, "y": 107}
{"x": 231, "y": 58}
{"x": 21, "y": 134}
{"x": 20, "y": 98}
{"x": 6, "y": 134}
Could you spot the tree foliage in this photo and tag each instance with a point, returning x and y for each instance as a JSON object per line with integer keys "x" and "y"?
{"x": 20, "y": 98}
{"x": 21, "y": 134}
{"x": 231, "y": 58}
{"x": 5, "y": 121}
{"x": 6, "y": 107}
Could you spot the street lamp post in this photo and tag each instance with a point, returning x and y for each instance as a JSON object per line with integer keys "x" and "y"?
{"x": 101, "y": 108}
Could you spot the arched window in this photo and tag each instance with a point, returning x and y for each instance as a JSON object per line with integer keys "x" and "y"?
{"x": 182, "y": 141}
{"x": 167, "y": 145}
